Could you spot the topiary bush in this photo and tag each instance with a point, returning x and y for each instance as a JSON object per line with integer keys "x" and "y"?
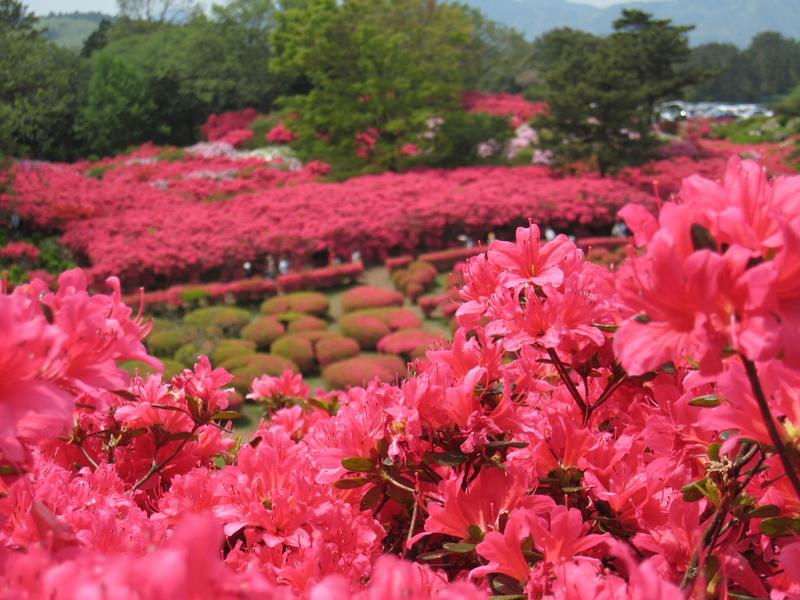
{"x": 306, "y": 323}
{"x": 312, "y": 303}
{"x": 367, "y": 330}
{"x": 245, "y": 368}
{"x": 408, "y": 342}
{"x": 394, "y": 318}
{"x": 218, "y": 320}
{"x": 164, "y": 343}
{"x": 316, "y": 335}
{"x": 229, "y": 348}
{"x": 188, "y": 353}
{"x": 366, "y": 296}
{"x": 263, "y": 331}
{"x": 334, "y": 349}
{"x": 416, "y": 279}
{"x": 362, "y": 369}
{"x": 297, "y": 349}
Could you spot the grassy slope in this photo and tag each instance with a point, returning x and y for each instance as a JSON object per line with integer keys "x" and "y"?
{"x": 69, "y": 31}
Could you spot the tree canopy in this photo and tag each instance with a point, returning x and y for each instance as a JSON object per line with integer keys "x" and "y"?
{"x": 605, "y": 114}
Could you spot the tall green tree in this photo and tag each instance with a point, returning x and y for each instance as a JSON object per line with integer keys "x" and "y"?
{"x": 385, "y": 65}
{"x": 38, "y": 83}
{"x": 602, "y": 92}
{"x": 118, "y": 110}
{"x": 209, "y": 64}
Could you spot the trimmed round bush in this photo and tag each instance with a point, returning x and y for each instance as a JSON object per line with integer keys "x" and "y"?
{"x": 263, "y": 331}
{"x": 165, "y": 343}
{"x": 188, "y": 353}
{"x": 393, "y": 318}
{"x": 334, "y": 349}
{"x": 312, "y": 303}
{"x": 367, "y": 330}
{"x": 297, "y": 349}
{"x": 307, "y": 323}
{"x": 366, "y": 296}
{"x": 363, "y": 369}
{"x": 225, "y": 320}
{"x": 414, "y": 280}
{"x": 408, "y": 342}
{"x": 316, "y": 335}
{"x": 229, "y": 348}
{"x": 246, "y": 368}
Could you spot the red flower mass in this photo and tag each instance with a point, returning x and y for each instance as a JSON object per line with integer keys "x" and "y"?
{"x": 589, "y": 434}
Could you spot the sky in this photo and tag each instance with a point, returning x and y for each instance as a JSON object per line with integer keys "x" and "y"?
{"x": 42, "y": 7}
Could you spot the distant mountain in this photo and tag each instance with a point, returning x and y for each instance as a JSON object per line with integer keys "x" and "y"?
{"x": 71, "y": 29}
{"x": 734, "y": 21}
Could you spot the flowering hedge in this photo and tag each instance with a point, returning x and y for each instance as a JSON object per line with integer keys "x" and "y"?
{"x": 589, "y": 434}
{"x": 157, "y": 222}
{"x": 504, "y": 105}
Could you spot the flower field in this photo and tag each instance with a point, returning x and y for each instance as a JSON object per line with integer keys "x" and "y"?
{"x": 591, "y": 432}
{"x": 154, "y": 222}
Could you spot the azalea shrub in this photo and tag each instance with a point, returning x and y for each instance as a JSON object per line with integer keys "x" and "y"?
{"x": 156, "y": 223}
{"x": 590, "y": 433}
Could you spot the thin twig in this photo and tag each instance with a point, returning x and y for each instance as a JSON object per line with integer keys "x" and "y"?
{"x": 562, "y": 372}
{"x": 769, "y": 421}
{"x": 414, "y": 514}
{"x": 88, "y": 457}
{"x": 156, "y": 466}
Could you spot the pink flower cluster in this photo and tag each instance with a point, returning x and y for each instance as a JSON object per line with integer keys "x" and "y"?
{"x": 504, "y": 105}
{"x": 589, "y": 434}
{"x": 155, "y": 222}
{"x": 20, "y": 251}
{"x": 280, "y": 134}
{"x": 218, "y": 127}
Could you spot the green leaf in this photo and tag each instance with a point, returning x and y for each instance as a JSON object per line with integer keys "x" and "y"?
{"x": 610, "y": 328}
{"x": 694, "y": 491}
{"x": 503, "y": 584}
{"x": 459, "y": 548}
{"x": 507, "y": 444}
{"x": 764, "y": 511}
{"x": 450, "y": 459}
{"x": 475, "y": 533}
{"x": 225, "y": 415}
{"x": 702, "y": 238}
{"x": 372, "y": 497}
{"x": 713, "y": 451}
{"x": 350, "y": 484}
{"x": 642, "y": 318}
{"x": 707, "y": 401}
{"x": 172, "y": 436}
{"x": 435, "y": 555}
{"x": 776, "y": 526}
{"x": 358, "y": 464}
